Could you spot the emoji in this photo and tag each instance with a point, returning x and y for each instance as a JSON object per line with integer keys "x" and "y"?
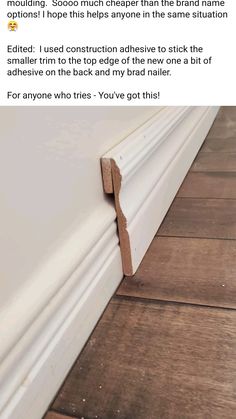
{"x": 12, "y": 26}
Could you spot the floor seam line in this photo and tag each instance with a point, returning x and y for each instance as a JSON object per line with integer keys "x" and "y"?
{"x": 53, "y": 410}
{"x": 195, "y": 237}
{"x": 158, "y": 301}
{"x": 204, "y": 198}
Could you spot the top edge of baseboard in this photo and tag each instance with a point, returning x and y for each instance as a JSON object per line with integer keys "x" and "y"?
{"x": 136, "y": 148}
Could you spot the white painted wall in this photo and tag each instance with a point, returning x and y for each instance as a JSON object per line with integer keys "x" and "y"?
{"x": 50, "y": 179}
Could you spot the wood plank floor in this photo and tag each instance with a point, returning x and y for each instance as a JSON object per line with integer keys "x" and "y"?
{"x": 149, "y": 360}
{"x": 165, "y": 347}
{"x": 208, "y": 218}
{"x": 195, "y": 271}
{"x": 215, "y": 162}
{"x": 209, "y": 185}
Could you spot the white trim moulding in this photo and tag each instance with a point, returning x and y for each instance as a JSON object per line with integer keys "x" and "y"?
{"x": 145, "y": 171}
{"x": 47, "y": 324}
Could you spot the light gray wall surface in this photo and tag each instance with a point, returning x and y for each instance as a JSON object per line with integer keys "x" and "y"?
{"x": 50, "y": 180}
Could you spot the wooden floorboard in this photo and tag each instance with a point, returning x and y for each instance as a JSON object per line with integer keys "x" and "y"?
{"x": 155, "y": 361}
{"x": 196, "y": 271}
{"x": 215, "y": 162}
{"x": 224, "y": 126}
{"x": 221, "y": 132}
{"x": 209, "y": 185}
{"x": 226, "y": 116}
{"x": 203, "y": 218}
{"x": 54, "y": 415}
{"x": 220, "y": 145}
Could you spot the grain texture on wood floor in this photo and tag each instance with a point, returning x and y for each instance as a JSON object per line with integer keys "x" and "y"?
{"x": 209, "y": 185}
{"x": 54, "y": 415}
{"x": 197, "y": 271}
{"x": 204, "y": 218}
{"x": 155, "y": 361}
{"x": 224, "y": 126}
{"x": 222, "y": 145}
{"x": 215, "y": 162}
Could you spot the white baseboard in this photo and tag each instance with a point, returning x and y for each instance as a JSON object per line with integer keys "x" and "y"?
{"x": 54, "y": 327}
{"x": 145, "y": 171}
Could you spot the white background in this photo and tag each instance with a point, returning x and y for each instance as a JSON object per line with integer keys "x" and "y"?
{"x": 196, "y": 85}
